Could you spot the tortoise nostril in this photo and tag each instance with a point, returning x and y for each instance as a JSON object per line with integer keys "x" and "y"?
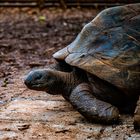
{"x": 27, "y": 82}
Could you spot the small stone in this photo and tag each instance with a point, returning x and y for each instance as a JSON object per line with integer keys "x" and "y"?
{"x": 23, "y": 127}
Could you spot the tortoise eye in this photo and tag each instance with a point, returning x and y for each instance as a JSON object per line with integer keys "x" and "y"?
{"x": 38, "y": 76}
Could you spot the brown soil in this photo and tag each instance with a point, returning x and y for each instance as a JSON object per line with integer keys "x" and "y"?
{"x": 28, "y": 38}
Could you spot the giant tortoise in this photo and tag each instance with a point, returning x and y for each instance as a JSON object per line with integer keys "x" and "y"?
{"x": 99, "y": 72}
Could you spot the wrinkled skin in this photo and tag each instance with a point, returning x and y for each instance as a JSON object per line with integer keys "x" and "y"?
{"x": 75, "y": 88}
{"x": 98, "y": 73}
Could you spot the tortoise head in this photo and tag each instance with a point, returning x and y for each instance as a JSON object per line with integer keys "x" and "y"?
{"x": 43, "y": 80}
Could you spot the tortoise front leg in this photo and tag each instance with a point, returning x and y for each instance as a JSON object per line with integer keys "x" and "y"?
{"x": 137, "y": 116}
{"x": 91, "y": 108}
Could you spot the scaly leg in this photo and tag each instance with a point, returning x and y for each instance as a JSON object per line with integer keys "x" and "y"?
{"x": 91, "y": 108}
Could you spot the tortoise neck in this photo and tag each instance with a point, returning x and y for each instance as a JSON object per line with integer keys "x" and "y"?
{"x": 65, "y": 83}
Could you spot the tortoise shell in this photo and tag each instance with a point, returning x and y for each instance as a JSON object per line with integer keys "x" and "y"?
{"x": 109, "y": 47}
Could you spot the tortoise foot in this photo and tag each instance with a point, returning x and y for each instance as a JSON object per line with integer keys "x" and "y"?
{"x": 137, "y": 117}
{"x": 137, "y": 122}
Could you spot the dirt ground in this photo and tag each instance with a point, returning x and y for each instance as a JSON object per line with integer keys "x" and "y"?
{"x": 28, "y": 38}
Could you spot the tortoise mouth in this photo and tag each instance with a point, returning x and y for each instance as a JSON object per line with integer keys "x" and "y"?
{"x": 37, "y": 86}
